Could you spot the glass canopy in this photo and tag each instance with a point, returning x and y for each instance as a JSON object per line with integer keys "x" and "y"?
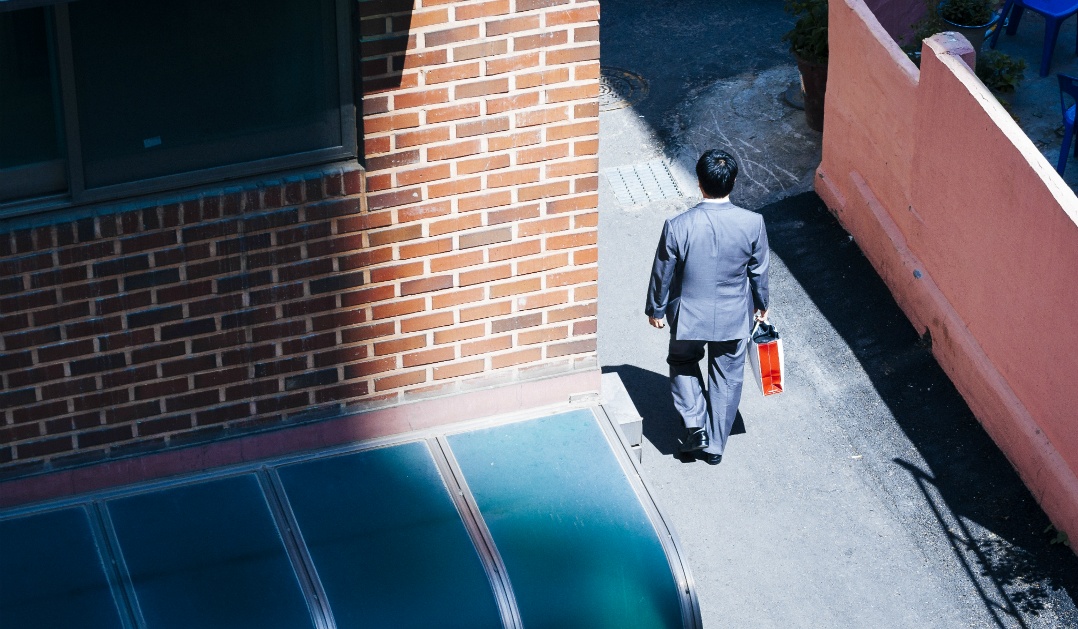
{"x": 536, "y": 523}
{"x": 384, "y": 535}
{"x": 52, "y": 573}
{"x": 569, "y": 526}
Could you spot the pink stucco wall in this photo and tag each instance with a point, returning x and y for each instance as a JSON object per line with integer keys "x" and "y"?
{"x": 930, "y": 175}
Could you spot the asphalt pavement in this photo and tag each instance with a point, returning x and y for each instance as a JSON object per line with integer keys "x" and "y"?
{"x": 866, "y": 495}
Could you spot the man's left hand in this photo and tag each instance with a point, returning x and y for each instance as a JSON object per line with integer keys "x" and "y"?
{"x": 656, "y": 323}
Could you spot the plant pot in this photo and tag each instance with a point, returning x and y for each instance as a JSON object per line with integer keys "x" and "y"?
{"x": 814, "y": 86}
{"x": 974, "y": 33}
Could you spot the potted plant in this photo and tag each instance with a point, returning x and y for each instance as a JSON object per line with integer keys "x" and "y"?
{"x": 972, "y": 18}
{"x": 928, "y": 25}
{"x": 808, "y": 43}
{"x": 1001, "y": 73}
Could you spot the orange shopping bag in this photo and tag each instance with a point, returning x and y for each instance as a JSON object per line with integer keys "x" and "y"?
{"x": 766, "y": 358}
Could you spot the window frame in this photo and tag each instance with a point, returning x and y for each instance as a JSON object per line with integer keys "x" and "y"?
{"x": 78, "y": 194}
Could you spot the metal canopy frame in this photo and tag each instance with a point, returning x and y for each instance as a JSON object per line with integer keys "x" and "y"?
{"x": 437, "y": 445}
{"x": 478, "y": 531}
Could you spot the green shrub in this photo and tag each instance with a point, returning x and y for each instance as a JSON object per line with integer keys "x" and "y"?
{"x": 968, "y": 12}
{"x": 929, "y": 24}
{"x": 959, "y": 12}
{"x": 808, "y": 37}
{"x": 1000, "y": 71}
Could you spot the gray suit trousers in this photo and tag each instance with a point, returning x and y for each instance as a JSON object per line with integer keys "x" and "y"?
{"x": 725, "y": 375}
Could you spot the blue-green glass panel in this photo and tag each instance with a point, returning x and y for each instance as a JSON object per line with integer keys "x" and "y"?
{"x": 51, "y": 574}
{"x": 387, "y": 542}
{"x": 577, "y": 544}
{"x": 208, "y": 555}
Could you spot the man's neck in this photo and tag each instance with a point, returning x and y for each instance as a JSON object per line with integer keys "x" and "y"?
{"x": 725, "y": 199}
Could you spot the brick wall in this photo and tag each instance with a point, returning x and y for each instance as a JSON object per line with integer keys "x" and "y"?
{"x": 481, "y": 132}
{"x": 469, "y": 261}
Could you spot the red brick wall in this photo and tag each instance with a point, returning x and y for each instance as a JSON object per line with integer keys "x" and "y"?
{"x": 470, "y": 261}
{"x": 132, "y": 331}
{"x": 481, "y": 135}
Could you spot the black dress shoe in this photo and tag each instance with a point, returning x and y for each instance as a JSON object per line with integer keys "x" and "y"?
{"x": 712, "y": 459}
{"x": 695, "y": 439}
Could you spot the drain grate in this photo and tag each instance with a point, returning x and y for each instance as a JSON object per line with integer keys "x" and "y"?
{"x": 642, "y": 183}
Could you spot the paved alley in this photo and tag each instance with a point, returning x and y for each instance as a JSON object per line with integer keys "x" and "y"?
{"x": 867, "y": 495}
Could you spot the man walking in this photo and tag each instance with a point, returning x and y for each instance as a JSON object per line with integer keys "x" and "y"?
{"x": 710, "y": 274}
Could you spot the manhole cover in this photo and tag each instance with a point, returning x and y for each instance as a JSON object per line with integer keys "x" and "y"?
{"x": 620, "y": 88}
{"x": 642, "y": 183}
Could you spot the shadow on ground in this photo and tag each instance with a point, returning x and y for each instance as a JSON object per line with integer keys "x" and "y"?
{"x": 926, "y": 455}
{"x": 989, "y": 518}
{"x": 650, "y": 393}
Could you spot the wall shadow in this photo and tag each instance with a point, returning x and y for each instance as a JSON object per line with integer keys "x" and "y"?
{"x": 977, "y": 557}
{"x": 1016, "y": 568}
{"x": 378, "y": 51}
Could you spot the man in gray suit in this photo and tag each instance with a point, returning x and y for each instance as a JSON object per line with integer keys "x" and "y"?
{"x": 710, "y": 274}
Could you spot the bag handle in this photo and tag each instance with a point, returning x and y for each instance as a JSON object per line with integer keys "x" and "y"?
{"x": 764, "y": 332}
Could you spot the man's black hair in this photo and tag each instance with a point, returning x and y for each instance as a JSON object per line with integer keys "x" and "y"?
{"x": 716, "y": 171}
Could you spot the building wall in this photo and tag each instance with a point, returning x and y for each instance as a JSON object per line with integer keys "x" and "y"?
{"x": 972, "y": 229}
{"x": 481, "y": 124}
{"x": 463, "y": 257}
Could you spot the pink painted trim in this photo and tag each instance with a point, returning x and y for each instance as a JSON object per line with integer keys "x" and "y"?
{"x": 384, "y": 422}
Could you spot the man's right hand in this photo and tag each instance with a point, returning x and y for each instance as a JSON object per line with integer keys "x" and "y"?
{"x": 656, "y": 323}
{"x": 761, "y": 315}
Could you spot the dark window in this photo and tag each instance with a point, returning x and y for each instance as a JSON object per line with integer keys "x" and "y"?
{"x": 31, "y": 136}
{"x": 172, "y": 87}
{"x": 102, "y": 99}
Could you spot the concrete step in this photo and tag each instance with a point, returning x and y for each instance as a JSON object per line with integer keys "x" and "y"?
{"x": 619, "y": 406}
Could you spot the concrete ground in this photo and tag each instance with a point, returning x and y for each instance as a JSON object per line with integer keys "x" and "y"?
{"x": 866, "y": 495}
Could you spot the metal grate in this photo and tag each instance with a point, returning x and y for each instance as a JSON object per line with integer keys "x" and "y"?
{"x": 643, "y": 183}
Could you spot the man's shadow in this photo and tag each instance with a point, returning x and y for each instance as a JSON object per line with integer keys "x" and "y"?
{"x": 650, "y": 393}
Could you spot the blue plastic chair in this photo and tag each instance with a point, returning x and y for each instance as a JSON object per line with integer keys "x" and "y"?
{"x": 1067, "y": 85}
{"x": 1054, "y": 12}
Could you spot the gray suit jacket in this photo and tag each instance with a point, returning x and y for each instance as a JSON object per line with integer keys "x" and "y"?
{"x": 710, "y": 272}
